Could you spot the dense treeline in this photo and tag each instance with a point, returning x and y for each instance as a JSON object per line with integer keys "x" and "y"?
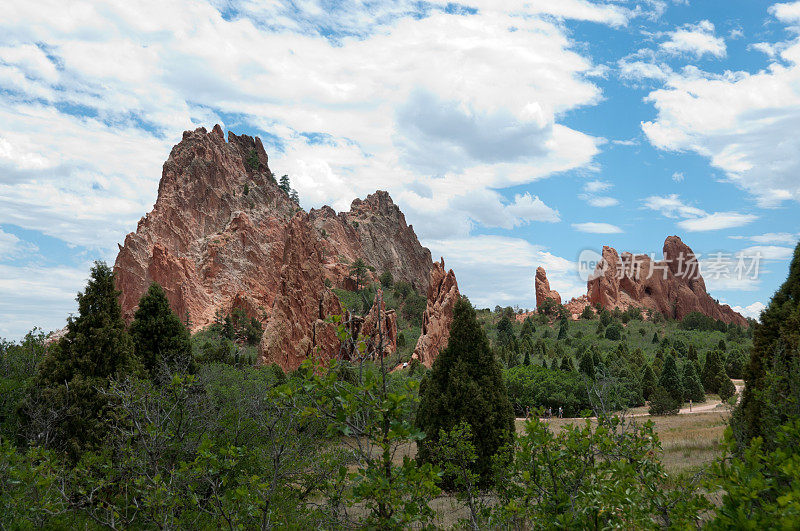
{"x": 118, "y": 427}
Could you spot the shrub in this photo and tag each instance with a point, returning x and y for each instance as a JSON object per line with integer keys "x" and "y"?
{"x": 614, "y": 332}
{"x": 532, "y": 386}
{"x": 661, "y": 403}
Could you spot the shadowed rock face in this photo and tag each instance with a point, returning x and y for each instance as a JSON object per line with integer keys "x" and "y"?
{"x": 672, "y": 286}
{"x": 374, "y": 229}
{"x": 543, "y": 291}
{"x": 442, "y": 296}
{"x": 222, "y": 235}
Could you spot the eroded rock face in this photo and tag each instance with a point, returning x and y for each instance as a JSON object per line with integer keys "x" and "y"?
{"x": 374, "y": 229}
{"x": 543, "y": 291}
{"x": 442, "y": 296}
{"x": 672, "y": 286}
{"x": 222, "y": 235}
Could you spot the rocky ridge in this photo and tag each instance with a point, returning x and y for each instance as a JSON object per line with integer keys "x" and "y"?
{"x": 672, "y": 286}
{"x": 223, "y": 235}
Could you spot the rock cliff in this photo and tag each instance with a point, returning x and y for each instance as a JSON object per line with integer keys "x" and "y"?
{"x": 222, "y": 235}
{"x": 543, "y": 291}
{"x": 374, "y": 229}
{"x": 442, "y": 296}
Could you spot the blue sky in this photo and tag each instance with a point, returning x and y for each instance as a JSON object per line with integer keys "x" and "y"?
{"x": 511, "y": 134}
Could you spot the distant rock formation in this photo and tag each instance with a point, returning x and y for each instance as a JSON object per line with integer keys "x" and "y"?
{"x": 672, "y": 286}
{"x": 543, "y": 291}
{"x": 442, "y": 296}
{"x": 223, "y": 235}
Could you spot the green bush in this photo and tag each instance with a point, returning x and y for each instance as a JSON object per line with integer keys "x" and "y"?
{"x": 661, "y": 403}
{"x": 532, "y": 386}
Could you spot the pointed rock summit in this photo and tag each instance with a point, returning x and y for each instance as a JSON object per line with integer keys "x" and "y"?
{"x": 442, "y": 296}
{"x": 223, "y": 235}
{"x": 543, "y": 291}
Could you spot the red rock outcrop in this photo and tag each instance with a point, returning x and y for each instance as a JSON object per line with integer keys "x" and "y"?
{"x": 442, "y": 296}
{"x": 543, "y": 291}
{"x": 386, "y": 320}
{"x": 374, "y": 229}
{"x": 672, "y": 286}
{"x": 296, "y": 328}
{"x": 222, "y": 235}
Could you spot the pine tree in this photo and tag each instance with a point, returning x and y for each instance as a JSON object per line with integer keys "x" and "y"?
{"x": 294, "y": 196}
{"x": 692, "y": 388}
{"x": 285, "y": 185}
{"x": 713, "y": 372}
{"x": 726, "y": 389}
{"x": 527, "y": 360}
{"x": 655, "y": 338}
{"x": 670, "y": 380}
{"x": 160, "y": 340}
{"x": 566, "y": 364}
{"x": 649, "y": 381}
{"x": 562, "y": 331}
{"x": 769, "y": 386}
{"x": 692, "y": 353}
{"x": 586, "y": 365}
{"x": 68, "y": 388}
{"x": 466, "y": 384}
{"x": 528, "y": 328}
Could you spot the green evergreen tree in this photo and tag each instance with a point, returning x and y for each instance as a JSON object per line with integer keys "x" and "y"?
{"x": 587, "y": 313}
{"x": 285, "y": 185}
{"x": 769, "y": 395}
{"x": 670, "y": 380}
{"x": 160, "y": 340}
{"x": 528, "y": 328}
{"x": 586, "y": 364}
{"x": 466, "y": 384}
{"x": 655, "y": 340}
{"x": 713, "y": 372}
{"x": 562, "y": 330}
{"x": 567, "y": 364}
{"x": 692, "y": 387}
{"x": 735, "y": 363}
{"x": 726, "y": 389}
{"x": 67, "y": 409}
{"x": 692, "y": 353}
{"x": 527, "y": 360}
{"x": 662, "y": 403}
{"x": 649, "y": 381}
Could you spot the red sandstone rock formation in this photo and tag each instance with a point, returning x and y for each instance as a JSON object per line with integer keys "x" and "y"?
{"x": 222, "y": 235}
{"x": 672, "y": 286}
{"x": 296, "y": 328}
{"x": 543, "y": 291}
{"x": 387, "y": 319}
{"x": 442, "y": 296}
{"x": 375, "y": 229}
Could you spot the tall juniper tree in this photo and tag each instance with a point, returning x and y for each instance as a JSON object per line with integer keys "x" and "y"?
{"x": 670, "y": 380}
{"x": 67, "y": 409}
{"x": 160, "y": 340}
{"x": 772, "y": 383}
{"x": 466, "y": 384}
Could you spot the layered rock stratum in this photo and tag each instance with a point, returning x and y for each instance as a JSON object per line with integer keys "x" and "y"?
{"x": 223, "y": 235}
{"x": 442, "y": 296}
